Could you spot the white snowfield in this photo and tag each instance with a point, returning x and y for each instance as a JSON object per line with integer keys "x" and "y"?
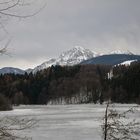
{"x": 65, "y": 122}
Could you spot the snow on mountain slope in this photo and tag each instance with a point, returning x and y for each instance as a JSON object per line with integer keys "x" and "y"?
{"x": 75, "y": 56}
{"x": 127, "y": 63}
{"x": 71, "y": 57}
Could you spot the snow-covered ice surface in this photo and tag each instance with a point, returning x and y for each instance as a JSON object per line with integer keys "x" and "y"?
{"x": 65, "y": 122}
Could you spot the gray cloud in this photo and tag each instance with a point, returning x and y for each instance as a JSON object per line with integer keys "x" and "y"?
{"x": 99, "y": 25}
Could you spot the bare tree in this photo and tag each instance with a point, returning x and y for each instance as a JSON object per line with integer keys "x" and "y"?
{"x": 117, "y": 126}
{"x": 9, "y": 126}
{"x": 17, "y": 9}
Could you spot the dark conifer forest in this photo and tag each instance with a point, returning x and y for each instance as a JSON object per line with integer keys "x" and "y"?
{"x": 73, "y": 85}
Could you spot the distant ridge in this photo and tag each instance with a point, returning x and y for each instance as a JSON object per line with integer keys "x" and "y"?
{"x": 112, "y": 59}
{"x": 11, "y": 70}
{"x": 121, "y": 52}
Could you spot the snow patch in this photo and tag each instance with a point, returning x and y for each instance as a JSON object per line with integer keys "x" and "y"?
{"x": 127, "y": 63}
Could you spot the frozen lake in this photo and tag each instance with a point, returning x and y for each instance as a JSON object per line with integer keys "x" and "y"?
{"x": 65, "y": 122}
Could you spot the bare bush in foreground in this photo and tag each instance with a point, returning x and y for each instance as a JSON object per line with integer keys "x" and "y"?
{"x": 10, "y": 127}
{"x": 118, "y": 126}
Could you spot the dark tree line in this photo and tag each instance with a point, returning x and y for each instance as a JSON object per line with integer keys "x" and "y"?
{"x": 125, "y": 84}
{"x": 73, "y": 85}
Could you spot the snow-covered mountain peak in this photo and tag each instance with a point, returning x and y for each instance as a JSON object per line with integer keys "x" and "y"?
{"x": 71, "y": 57}
{"x": 121, "y": 52}
{"x": 78, "y": 48}
{"x": 77, "y": 52}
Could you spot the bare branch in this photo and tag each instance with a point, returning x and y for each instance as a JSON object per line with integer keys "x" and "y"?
{"x": 9, "y": 7}
{"x": 9, "y": 125}
{"x": 5, "y": 2}
{"x": 6, "y": 13}
{"x": 6, "y": 8}
{"x": 4, "y": 49}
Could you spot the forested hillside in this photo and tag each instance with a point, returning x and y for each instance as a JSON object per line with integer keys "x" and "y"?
{"x": 73, "y": 84}
{"x": 125, "y": 84}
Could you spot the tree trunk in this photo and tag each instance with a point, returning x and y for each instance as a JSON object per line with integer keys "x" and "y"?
{"x": 106, "y": 122}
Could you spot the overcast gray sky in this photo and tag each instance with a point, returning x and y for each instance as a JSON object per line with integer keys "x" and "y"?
{"x": 99, "y": 25}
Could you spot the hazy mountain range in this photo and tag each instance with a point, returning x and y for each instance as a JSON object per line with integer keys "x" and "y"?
{"x": 79, "y": 55}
